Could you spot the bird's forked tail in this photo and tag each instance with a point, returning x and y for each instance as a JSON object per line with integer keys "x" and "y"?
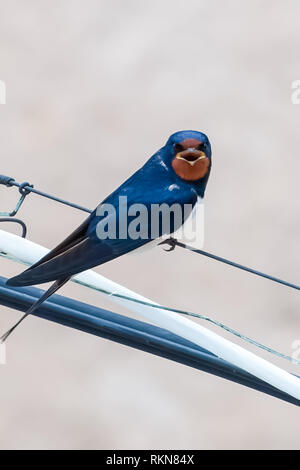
{"x": 52, "y": 289}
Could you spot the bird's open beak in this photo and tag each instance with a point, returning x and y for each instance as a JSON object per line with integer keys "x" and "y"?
{"x": 191, "y": 155}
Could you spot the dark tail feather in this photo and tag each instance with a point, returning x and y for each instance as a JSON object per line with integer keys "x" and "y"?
{"x": 52, "y": 289}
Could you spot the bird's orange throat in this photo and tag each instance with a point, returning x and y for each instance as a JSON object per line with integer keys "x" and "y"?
{"x": 191, "y": 172}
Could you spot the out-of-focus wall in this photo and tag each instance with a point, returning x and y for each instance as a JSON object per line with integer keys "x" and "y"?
{"x": 93, "y": 89}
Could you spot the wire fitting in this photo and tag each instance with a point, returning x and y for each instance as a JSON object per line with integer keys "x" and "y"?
{"x": 24, "y": 188}
{"x": 6, "y": 180}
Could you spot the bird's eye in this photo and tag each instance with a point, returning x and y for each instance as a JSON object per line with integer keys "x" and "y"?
{"x": 201, "y": 147}
{"x": 178, "y": 148}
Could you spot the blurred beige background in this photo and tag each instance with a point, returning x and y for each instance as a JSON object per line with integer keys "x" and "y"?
{"x": 93, "y": 89}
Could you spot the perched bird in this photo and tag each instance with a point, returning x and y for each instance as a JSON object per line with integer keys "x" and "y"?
{"x": 175, "y": 174}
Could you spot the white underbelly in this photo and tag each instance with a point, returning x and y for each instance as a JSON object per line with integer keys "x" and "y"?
{"x": 191, "y": 232}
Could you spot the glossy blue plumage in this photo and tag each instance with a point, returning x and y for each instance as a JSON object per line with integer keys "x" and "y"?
{"x": 155, "y": 183}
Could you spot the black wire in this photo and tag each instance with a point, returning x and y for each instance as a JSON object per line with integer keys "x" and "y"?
{"x": 232, "y": 263}
{"x": 26, "y": 188}
{"x": 133, "y": 333}
{"x": 17, "y": 221}
{"x": 30, "y": 189}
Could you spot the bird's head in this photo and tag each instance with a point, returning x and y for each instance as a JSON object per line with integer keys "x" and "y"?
{"x": 190, "y": 154}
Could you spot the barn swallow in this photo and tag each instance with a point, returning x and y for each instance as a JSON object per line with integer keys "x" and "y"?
{"x": 175, "y": 174}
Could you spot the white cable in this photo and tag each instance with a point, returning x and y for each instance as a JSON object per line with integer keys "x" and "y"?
{"x": 27, "y": 252}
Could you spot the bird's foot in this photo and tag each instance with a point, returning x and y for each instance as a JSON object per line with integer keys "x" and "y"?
{"x": 169, "y": 241}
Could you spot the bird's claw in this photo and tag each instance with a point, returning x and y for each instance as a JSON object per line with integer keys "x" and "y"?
{"x": 169, "y": 241}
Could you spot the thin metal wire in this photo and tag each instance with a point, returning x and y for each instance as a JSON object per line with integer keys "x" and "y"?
{"x": 16, "y": 221}
{"x": 23, "y": 190}
{"x": 199, "y": 316}
{"x": 133, "y": 333}
{"x": 173, "y": 242}
{"x": 26, "y": 188}
{"x": 181, "y": 312}
{"x": 53, "y": 198}
{"x": 7, "y": 181}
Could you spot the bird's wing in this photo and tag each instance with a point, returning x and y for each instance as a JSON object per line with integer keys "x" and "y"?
{"x": 74, "y": 238}
{"x": 39, "y": 269}
{"x": 72, "y": 260}
{"x": 83, "y": 250}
